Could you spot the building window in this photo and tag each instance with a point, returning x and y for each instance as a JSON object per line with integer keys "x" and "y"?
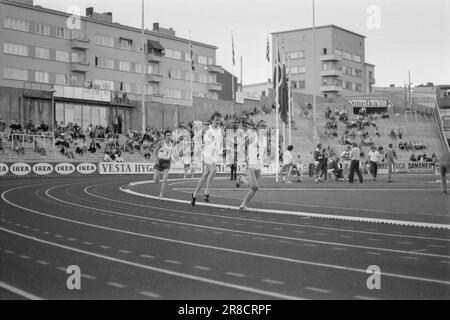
{"x": 210, "y": 60}
{"x": 324, "y": 50}
{"x": 152, "y": 89}
{"x": 297, "y": 69}
{"x": 296, "y": 54}
{"x": 346, "y": 55}
{"x": 104, "y": 84}
{"x": 357, "y": 58}
{"x": 124, "y": 66}
{"x": 104, "y": 63}
{"x": 126, "y": 44}
{"x": 104, "y": 41}
{"x": 175, "y": 74}
{"x": 15, "y": 74}
{"x": 42, "y": 53}
{"x": 358, "y": 73}
{"x": 125, "y": 87}
{"x": 43, "y": 29}
{"x": 202, "y": 59}
{"x": 152, "y": 68}
{"x": 138, "y": 68}
{"x": 62, "y": 32}
{"x": 358, "y": 87}
{"x": 348, "y": 85}
{"x": 63, "y": 56}
{"x": 16, "y": 24}
{"x": 40, "y": 76}
{"x": 174, "y": 54}
{"x": 173, "y": 93}
{"x": 16, "y": 49}
{"x": 202, "y": 78}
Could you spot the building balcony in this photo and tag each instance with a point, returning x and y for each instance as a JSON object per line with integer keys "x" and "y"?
{"x": 214, "y": 68}
{"x": 330, "y": 57}
{"x": 330, "y": 73}
{"x": 79, "y": 66}
{"x": 214, "y": 86}
{"x": 151, "y": 57}
{"x": 330, "y": 88}
{"x": 80, "y": 44}
{"x": 154, "y": 77}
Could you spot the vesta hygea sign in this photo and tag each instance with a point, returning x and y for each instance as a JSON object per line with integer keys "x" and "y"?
{"x": 65, "y": 168}
{"x": 42, "y": 169}
{"x": 3, "y": 169}
{"x": 20, "y": 169}
{"x": 86, "y": 168}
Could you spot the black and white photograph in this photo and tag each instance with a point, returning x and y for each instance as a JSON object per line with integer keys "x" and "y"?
{"x": 224, "y": 155}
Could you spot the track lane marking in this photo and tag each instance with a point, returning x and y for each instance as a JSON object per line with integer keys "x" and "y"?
{"x": 19, "y": 292}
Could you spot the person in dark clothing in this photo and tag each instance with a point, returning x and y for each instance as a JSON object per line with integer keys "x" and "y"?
{"x": 119, "y": 124}
{"x": 354, "y": 164}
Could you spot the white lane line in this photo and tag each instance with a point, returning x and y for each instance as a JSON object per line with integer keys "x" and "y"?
{"x": 36, "y": 230}
{"x": 446, "y": 262}
{"x": 61, "y": 269}
{"x": 46, "y": 232}
{"x": 150, "y": 294}
{"x": 43, "y": 262}
{"x": 340, "y": 249}
{"x": 24, "y": 256}
{"x": 116, "y": 285}
{"x": 409, "y": 258}
{"x": 147, "y": 256}
{"x": 9, "y": 251}
{"x": 234, "y": 274}
{"x": 436, "y": 246}
{"x": 87, "y": 276}
{"x": 319, "y": 290}
{"x": 228, "y": 230}
{"x": 339, "y": 267}
{"x": 308, "y": 214}
{"x": 365, "y": 298}
{"x": 125, "y": 251}
{"x": 105, "y": 247}
{"x": 202, "y": 268}
{"x": 19, "y": 292}
{"x": 272, "y": 281}
{"x": 58, "y": 236}
{"x": 268, "y": 220}
{"x": 160, "y": 270}
{"x": 71, "y": 239}
{"x": 87, "y": 243}
{"x": 172, "y": 261}
{"x": 373, "y": 253}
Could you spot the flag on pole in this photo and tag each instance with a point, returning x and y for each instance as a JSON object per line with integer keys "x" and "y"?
{"x": 268, "y": 50}
{"x": 192, "y": 58}
{"x": 232, "y": 47}
{"x": 280, "y": 85}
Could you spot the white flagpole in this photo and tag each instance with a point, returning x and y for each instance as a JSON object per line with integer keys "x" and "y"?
{"x": 283, "y": 66}
{"x": 191, "y": 77}
{"x": 277, "y": 105}
{"x": 314, "y": 76}
{"x": 289, "y": 106}
{"x": 144, "y": 84}
{"x": 232, "y": 66}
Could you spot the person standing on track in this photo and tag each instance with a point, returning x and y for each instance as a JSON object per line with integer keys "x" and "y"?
{"x": 288, "y": 162}
{"x": 254, "y": 159}
{"x": 444, "y": 164}
{"x": 374, "y": 157}
{"x": 390, "y": 158}
{"x": 354, "y": 165}
{"x": 163, "y": 154}
{"x": 212, "y": 150}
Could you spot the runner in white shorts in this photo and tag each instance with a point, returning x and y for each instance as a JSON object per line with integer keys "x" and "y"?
{"x": 255, "y": 151}
{"x": 212, "y": 151}
{"x": 163, "y": 154}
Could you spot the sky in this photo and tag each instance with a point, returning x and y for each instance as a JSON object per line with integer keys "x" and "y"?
{"x": 405, "y": 35}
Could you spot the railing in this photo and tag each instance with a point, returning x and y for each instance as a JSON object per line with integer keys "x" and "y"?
{"x": 440, "y": 124}
{"x": 27, "y": 140}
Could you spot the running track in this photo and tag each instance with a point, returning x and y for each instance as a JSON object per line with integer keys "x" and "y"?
{"x": 131, "y": 247}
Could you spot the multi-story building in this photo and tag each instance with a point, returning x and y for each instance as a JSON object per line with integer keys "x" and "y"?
{"x": 94, "y": 67}
{"x": 339, "y": 57}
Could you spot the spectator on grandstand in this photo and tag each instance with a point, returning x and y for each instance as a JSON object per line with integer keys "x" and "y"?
{"x": 39, "y": 149}
{"x": 17, "y": 147}
{"x": 43, "y": 127}
{"x": 413, "y": 158}
{"x": 119, "y": 124}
